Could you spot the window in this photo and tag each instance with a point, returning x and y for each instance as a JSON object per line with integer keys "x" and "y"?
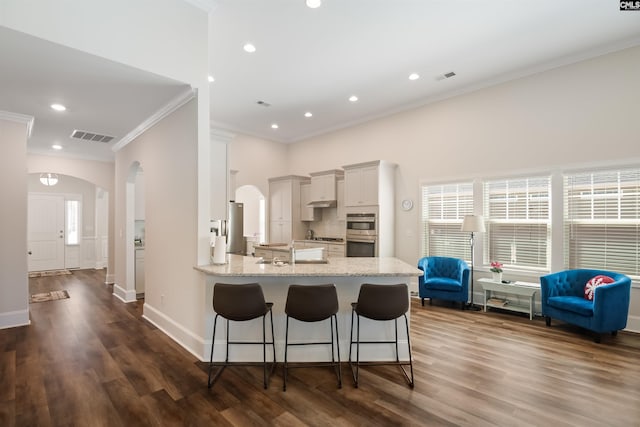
{"x": 443, "y": 209}
{"x": 518, "y": 222}
{"x": 602, "y": 220}
{"x": 72, "y": 222}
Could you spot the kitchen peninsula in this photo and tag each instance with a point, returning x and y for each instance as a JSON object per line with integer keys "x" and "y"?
{"x": 346, "y": 273}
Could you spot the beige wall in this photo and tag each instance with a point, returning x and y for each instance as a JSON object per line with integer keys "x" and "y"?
{"x": 14, "y": 304}
{"x": 256, "y": 160}
{"x": 168, "y": 155}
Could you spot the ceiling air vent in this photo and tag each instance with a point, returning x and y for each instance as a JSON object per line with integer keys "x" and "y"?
{"x": 446, "y": 75}
{"x": 90, "y": 136}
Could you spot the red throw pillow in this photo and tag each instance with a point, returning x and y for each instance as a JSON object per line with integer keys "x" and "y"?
{"x": 592, "y": 284}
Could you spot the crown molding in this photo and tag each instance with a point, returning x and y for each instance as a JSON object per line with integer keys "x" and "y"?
{"x": 221, "y": 135}
{"x": 206, "y": 5}
{"x": 169, "y": 108}
{"x": 18, "y": 118}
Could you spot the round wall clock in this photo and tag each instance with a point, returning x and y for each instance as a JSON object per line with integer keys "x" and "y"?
{"x": 407, "y": 204}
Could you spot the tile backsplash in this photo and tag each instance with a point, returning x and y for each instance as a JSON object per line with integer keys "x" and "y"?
{"x": 329, "y": 225}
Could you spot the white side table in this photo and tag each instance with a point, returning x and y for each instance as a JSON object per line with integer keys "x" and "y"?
{"x": 515, "y": 288}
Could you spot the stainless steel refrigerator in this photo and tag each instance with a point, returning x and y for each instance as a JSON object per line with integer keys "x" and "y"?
{"x": 232, "y": 228}
{"x": 235, "y": 231}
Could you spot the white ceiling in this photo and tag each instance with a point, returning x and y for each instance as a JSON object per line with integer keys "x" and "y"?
{"x": 314, "y": 59}
{"x": 311, "y": 60}
{"x": 100, "y": 95}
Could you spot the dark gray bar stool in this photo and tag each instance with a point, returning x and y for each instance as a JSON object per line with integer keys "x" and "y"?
{"x": 381, "y": 302}
{"x": 240, "y": 303}
{"x": 313, "y": 303}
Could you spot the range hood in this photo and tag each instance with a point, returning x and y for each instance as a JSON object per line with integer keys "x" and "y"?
{"x": 323, "y": 204}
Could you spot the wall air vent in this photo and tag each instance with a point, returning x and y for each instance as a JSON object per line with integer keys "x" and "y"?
{"x": 90, "y": 136}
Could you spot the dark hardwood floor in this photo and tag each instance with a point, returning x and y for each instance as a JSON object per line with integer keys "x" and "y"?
{"x": 91, "y": 360}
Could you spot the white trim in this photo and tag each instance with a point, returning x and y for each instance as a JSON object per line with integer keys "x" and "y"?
{"x": 186, "y": 338}
{"x": 633, "y": 324}
{"x": 220, "y": 135}
{"x": 18, "y": 118}
{"x": 109, "y": 279}
{"x": 205, "y": 5}
{"x": 124, "y": 295}
{"x": 163, "y": 112}
{"x": 13, "y": 319}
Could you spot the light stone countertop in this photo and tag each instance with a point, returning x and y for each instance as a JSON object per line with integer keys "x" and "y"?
{"x": 242, "y": 266}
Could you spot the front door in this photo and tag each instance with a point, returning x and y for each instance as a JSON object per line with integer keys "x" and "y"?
{"x": 46, "y": 232}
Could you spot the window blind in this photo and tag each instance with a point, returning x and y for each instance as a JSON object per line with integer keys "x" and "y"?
{"x": 602, "y": 220}
{"x": 443, "y": 209}
{"x": 518, "y": 222}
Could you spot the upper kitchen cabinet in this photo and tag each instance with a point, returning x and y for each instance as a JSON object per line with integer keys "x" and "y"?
{"x": 323, "y": 188}
{"x": 284, "y": 208}
{"x": 307, "y": 212}
{"x": 368, "y": 184}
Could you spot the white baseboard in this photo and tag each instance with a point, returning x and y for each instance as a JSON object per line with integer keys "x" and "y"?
{"x": 184, "y": 337}
{"x": 12, "y": 319}
{"x": 123, "y": 294}
{"x": 109, "y": 279}
{"x": 633, "y": 324}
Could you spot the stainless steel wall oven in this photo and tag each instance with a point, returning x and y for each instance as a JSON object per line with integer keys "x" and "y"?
{"x": 361, "y": 235}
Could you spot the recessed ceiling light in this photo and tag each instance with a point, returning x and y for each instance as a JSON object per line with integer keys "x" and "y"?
{"x": 353, "y": 98}
{"x": 58, "y": 107}
{"x": 56, "y": 147}
{"x": 211, "y": 79}
{"x": 414, "y": 76}
{"x": 249, "y": 48}
{"x": 314, "y": 3}
{"x": 308, "y": 114}
{"x": 274, "y": 126}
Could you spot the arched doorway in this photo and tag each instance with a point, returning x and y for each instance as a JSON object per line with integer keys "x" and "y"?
{"x": 67, "y": 223}
{"x": 135, "y": 233}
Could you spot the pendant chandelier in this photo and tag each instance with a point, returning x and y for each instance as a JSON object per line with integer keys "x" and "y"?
{"x": 48, "y": 179}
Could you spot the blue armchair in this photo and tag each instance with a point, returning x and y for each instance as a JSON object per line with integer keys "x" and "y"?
{"x": 562, "y": 297}
{"x": 444, "y": 278}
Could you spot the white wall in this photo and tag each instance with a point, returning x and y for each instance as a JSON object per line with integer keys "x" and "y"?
{"x": 174, "y": 293}
{"x": 14, "y": 304}
{"x": 257, "y": 160}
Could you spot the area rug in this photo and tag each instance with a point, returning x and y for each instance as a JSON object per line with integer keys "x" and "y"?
{"x": 49, "y": 296}
{"x": 49, "y": 273}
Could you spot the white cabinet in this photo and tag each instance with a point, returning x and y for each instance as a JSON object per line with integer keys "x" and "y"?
{"x": 280, "y": 196}
{"x": 308, "y": 213}
{"x": 341, "y": 213}
{"x": 284, "y": 208}
{"x": 323, "y": 187}
{"x": 361, "y": 185}
{"x": 370, "y": 187}
{"x": 280, "y": 232}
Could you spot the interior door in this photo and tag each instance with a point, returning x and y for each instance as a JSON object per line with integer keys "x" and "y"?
{"x": 45, "y": 232}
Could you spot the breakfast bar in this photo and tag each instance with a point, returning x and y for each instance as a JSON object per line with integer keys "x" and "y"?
{"x": 346, "y": 273}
